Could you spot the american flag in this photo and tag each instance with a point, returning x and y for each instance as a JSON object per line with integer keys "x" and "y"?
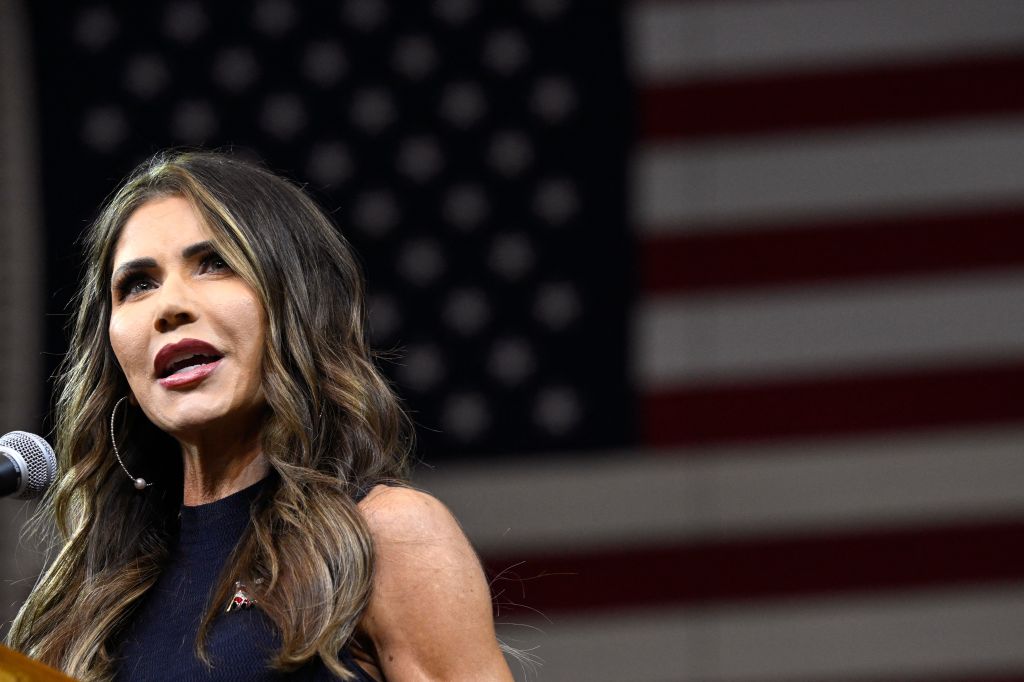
{"x": 709, "y": 311}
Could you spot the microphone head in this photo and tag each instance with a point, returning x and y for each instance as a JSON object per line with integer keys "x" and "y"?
{"x": 34, "y": 457}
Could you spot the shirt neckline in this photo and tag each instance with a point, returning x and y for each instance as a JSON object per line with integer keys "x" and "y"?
{"x": 218, "y": 523}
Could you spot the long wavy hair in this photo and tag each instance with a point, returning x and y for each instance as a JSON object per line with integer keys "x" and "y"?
{"x": 334, "y": 429}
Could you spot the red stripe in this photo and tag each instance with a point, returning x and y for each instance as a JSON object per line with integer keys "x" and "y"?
{"x": 763, "y": 104}
{"x": 841, "y": 250}
{"x": 834, "y": 406}
{"x": 728, "y": 572}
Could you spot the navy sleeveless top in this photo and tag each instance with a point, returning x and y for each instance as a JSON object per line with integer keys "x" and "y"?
{"x": 159, "y": 643}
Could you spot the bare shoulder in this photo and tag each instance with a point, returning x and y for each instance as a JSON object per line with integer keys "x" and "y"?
{"x": 398, "y": 514}
{"x": 420, "y": 551}
{"x": 430, "y": 613}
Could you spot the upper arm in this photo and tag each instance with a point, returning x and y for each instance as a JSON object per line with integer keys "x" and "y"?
{"x": 430, "y": 614}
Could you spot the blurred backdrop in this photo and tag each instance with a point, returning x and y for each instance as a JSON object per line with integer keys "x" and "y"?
{"x": 710, "y": 313}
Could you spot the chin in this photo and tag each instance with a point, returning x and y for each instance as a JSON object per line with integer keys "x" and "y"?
{"x": 187, "y": 422}
{"x": 194, "y": 417}
{"x": 186, "y": 413}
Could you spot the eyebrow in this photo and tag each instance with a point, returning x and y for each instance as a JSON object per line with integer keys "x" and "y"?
{"x": 190, "y": 251}
{"x": 196, "y": 249}
{"x": 128, "y": 266}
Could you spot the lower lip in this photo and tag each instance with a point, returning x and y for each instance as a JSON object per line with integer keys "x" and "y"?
{"x": 192, "y": 375}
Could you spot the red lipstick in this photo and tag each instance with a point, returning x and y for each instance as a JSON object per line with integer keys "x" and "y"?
{"x": 186, "y": 362}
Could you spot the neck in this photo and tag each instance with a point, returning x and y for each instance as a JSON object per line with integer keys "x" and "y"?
{"x": 214, "y": 471}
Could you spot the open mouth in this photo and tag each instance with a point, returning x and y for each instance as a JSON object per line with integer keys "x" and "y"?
{"x": 187, "y": 360}
{"x": 184, "y": 364}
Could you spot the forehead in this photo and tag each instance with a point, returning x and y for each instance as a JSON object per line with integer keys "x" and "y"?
{"x": 159, "y": 227}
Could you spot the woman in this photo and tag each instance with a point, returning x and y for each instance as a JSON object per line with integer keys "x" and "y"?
{"x": 230, "y": 503}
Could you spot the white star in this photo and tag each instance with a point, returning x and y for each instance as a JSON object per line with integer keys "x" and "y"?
{"x": 465, "y": 416}
{"x": 273, "y": 17}
{"x": 547, "y": 10}
{"x": 466, "y": 310}
{"x": 415, "y": 56}
{"x": 556, "y": 200}
{"x": 324, "y": 63}
{"x": 455, "y": 12}
{"x": 194, "y": 121}
{"x": 557, "y": 410}
{"x": 376, "y": 212}
{"x": 553, "y": 99}
{"x": 511, "y": 361}
{"x": 511, "y": 255}
{"x": 465, "y": 206}
{"x": 505, "y": 51}
{"x": 373, "y": 109}
{"x": 421, "y": 261}
{"x": 462, "y": 104}
{"x": 329, "y": 163}
{"x": 364, "y": 15}
{"x": 420, "y": 158}
{"x": 557, "y": 305}
{"x": 184, "y": 21}
{"x": 146, "y": 75}
{"x": 510, "y": 153}
{"x": 104, "y": 128}
{"x": 283, "y": 115}
{"x": 235, "y": 69}
{"x": 422, "y": 368}
{"x": 95, "y": 28}
{"x": 385, "y": 317}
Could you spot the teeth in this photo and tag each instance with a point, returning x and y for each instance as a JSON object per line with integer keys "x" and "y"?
{"x": 177, "y": 365}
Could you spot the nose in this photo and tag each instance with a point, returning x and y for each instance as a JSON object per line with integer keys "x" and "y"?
{"x": 176, "y": 306}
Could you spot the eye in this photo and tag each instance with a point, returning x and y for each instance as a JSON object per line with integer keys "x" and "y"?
{"x": 131, "y": 285}
{"x": 214, "y": 263}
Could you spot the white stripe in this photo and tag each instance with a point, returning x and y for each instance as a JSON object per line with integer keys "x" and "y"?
{"x": 625, "y": 499}
{"x": 769, "y": 334}
{"x": 687, "y": 187}
{"x": 688, "y": 40}
{"x": 922, "y": 635}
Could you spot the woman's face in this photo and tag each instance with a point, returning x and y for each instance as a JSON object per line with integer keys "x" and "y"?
{"x": 186, "y": 330}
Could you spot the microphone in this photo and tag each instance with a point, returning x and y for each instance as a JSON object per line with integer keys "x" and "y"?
{"x": 27, "y": 465}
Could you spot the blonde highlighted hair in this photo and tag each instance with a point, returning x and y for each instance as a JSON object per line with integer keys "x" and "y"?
{"x": 334, "y": 429}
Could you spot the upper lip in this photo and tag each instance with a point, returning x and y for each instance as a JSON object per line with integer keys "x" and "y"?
{"x": 175, "y": 351}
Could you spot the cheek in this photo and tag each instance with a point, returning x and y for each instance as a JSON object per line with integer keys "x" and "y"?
{"x": 245, "y": 319}
{"x": 129, "y": 342}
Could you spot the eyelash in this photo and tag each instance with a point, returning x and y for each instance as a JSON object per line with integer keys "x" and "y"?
{"x": 126, "y": 285}
{"x": 215, "y": 257}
